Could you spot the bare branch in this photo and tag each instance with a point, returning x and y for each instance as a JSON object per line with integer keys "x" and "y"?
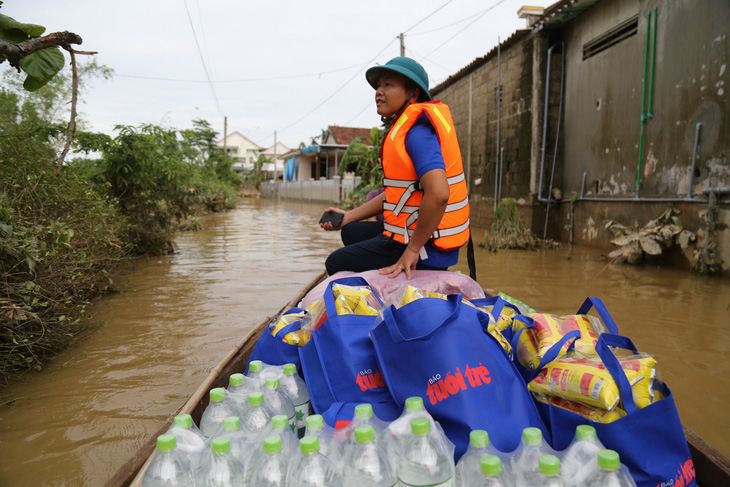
{"x": 74, "y": 99}
{"x": 15, "y": 52}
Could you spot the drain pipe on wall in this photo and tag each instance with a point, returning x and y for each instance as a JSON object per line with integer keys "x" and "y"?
{"x": 544, "y": 123}
{"x": 557, "y": 137}
{"x": 643, "y": 105}
{"x": 497, "y": 161}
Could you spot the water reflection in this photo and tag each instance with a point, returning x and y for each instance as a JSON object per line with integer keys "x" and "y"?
{"x": 97, "y": 403}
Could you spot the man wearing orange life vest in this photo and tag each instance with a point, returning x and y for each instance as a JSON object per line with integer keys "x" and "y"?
{"x": 425, "y": 203}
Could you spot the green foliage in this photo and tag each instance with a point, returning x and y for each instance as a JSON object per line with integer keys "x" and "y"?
{"x": 160, "y": 178}
{"x": 40, "y": 67}
{"x": 58, "y": 238}
{"x": 364, "y": 160}
{"x": 254, "y": 178}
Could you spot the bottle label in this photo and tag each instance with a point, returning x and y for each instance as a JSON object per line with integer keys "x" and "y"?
{"x": 448, "y": 483}
{"x": 302, "y": 412}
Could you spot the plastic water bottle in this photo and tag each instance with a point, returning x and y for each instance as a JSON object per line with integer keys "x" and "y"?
{"x": 223, "y": 469}
{"x": 580, "y": 459}
{"x": 525, "y": 466}
{"x": 277, "y": 401}
{"x": 400, "y": 429}
{"x": 312, "y": 468}
{"x": 325, "y": 434}
{"x": 239, "y": 387}
{"x": 610, "y": 473}
{"x": 364, "y": 415}
{"x": 490, "y": 469}
{"x": 255, "y": 367}
{"x": 256, "y": 417}
{"x": 280, "y": 427}
{"x": 549, "y": 466}
{"x": 297, "y": 390}
{"x": 188, "y": 438}
{"x": 425, "y": 460}
{"x": 261, "y": 370}
{"x": 366, "y": 462}
{"x": 469, "y": 470}
{"x": 270, "y": 470}
{"x": 216, "y": 411}
{"x": 168, "y": 467}
{"x": 241, "y": 443}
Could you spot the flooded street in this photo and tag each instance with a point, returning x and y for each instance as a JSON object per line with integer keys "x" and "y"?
{"x": 77, "y": 421}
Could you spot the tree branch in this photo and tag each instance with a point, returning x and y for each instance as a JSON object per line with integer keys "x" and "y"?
{"x": 72, "y": 122}
{"x": 15, "y": 52}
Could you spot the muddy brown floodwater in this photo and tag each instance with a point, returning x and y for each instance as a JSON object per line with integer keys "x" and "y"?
{"x": 93, "y": 406}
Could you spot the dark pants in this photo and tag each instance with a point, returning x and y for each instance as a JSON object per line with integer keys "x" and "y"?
{"x": 366, "y": 248}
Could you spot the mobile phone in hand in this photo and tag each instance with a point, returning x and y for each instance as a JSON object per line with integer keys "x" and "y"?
{"x": 334, "y": 217}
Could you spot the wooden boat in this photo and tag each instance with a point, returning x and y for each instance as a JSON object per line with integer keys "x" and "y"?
{"x": 711, "y": 467}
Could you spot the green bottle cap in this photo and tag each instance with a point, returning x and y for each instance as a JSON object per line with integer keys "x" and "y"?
{"x": 279, "y": 422}
{"x": 290, "y": 369}
{"x": 217, "y": 394}
{"x": 314, "y": 422}
{"x": 309, "y": 445}
{"x": 585, "y": 432}
{"x": 183, "y": 421}
{"x": 549, "y": 465}
{"x": 479, "y": 439}
{"x": 256, "y": 399}
{"x": 235, "y": 380}
{"x": 414, "y": 404}
{"x": 609, "y": 460}
{"x": 255, "y": 366}
{"x": 231, "y": 423}
{"x": 364, "y": 433}
{"x": 220, "y": 445}
{"x": 491, "y": 465}
{"x": 532, "y": 436}
{"x": 420, "y": 426}
{"x": 272, "y": 444}
{"x": 272, "y": 382}
{"x": 166, "y": 442}
{"x": 364, "y": 411}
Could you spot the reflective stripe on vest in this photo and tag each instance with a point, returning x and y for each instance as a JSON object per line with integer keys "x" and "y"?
{"x": 403, "y": 191}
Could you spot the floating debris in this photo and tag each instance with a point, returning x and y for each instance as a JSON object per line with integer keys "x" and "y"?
{"x": 508, "y": 232}
{"x": 653, "y": 239}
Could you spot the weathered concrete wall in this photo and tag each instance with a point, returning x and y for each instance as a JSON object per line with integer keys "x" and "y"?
{"x": 603, "y": 109}
{"x": 472, "y": 96}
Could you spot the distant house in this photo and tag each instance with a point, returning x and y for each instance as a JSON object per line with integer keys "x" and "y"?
{"x": 279, "y": 151}
{"x": 243, "y": 151}
{"x": 321, "y": 160}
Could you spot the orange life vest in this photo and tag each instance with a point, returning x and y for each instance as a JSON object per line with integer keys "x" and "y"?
{"x": 403, "y": 192}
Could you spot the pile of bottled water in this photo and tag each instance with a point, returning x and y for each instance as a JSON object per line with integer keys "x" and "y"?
{"x": 250, "y": 435}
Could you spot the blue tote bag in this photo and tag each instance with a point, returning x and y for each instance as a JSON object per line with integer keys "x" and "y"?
{"x": 440, "y": 350}
{"x": 340, "y": 367}
{"x": 271, "y": 349}
{"x": 650, "y": 441}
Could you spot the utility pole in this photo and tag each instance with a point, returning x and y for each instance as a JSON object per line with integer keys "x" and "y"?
{"x": 402, "y": 45}
{"x": 225, "y": 135}
{"x": 276, "y": 175}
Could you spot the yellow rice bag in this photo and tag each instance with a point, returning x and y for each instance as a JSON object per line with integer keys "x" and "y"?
{"x": 594, "y": 414}
{"x": 413, "y": 293}
{"x": 297, "y": 337}
{"x": 505, "y": 317}
{"x": 496, "y": 333}
{"x": 549, "y": 329}
{"x": 355, "y": 300}
{"x": 584, "y": 379}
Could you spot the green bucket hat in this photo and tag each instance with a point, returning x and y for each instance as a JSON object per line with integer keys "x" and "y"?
{"x": 405, "y": 66}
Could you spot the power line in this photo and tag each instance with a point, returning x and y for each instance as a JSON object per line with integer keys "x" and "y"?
{"x": 243, "y": 80}
{"x": 427, "y": 16}
{"x": 466, "y": 27}
{"x": 481, "y": 12}
{"x": 333, "y": 93}
{"x": 200, "y": 53}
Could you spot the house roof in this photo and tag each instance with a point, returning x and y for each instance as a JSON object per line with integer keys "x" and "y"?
{"x": 239, "y": 134}
{"x": 345, "y": 135}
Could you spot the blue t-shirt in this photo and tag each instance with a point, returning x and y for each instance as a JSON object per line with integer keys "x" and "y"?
{"x": 424, "y": 148}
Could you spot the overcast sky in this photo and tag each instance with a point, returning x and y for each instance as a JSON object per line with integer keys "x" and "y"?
{"x": 291, "y": 66}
